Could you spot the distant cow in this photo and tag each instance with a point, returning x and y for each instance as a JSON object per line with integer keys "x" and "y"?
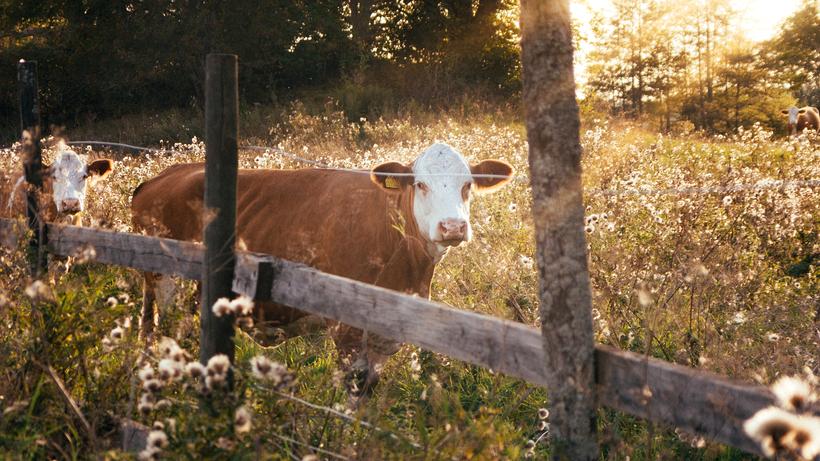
{"x": 800, "y": 119}
{"x": 66, "y": 181}
{"x": 388, "y": 228}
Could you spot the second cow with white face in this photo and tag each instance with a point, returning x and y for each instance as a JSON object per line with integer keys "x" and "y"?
{"x": 388, "y": 228}
{"x": 67, "y": 181}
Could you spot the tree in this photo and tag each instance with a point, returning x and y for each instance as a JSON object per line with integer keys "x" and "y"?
{"x": 551, "y": 113}
{"x": 795, "y": 53}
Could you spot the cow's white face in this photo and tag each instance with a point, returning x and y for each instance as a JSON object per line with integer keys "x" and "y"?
{"x": 792, "y": 112}
{"x": 442, "y": 183}
{"x": 69, "y": 174}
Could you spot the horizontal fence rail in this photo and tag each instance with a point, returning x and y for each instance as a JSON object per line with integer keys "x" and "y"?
{"x": 695, "y": 401}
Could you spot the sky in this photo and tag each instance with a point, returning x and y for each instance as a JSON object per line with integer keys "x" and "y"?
{"x": 760, "y": 19}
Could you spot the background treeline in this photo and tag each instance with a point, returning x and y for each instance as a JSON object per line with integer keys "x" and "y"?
{"x": 678, "y": 65}
{"x": 104, "y": 58}
{"x": 687, "y": 65}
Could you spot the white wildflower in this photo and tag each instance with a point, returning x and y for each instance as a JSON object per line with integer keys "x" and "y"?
{"x": 146, "y": 373}
{"x": 157, "y": 439}
{"x": 241, "y": 306}
{"x": 222, "y": 306}
{"x": 169, "y": 369}
{"x": 793, "y": 393}
{"x": 218, "y": 365}
{"x": 768, "y": 427}
{"x": 242, "y": 420}
{"x": 195, "y": 369}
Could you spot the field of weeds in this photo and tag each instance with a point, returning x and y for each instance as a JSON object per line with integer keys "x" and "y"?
{"x": 685, "y": 266}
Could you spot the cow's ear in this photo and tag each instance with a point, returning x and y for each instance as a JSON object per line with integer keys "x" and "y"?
{"x": 490, "y": 175}
{"x": 392, "y": 176}
{"x": 100, "y": 167}
{"x": 784, "y": 112}
{"x": 801, "y": 111}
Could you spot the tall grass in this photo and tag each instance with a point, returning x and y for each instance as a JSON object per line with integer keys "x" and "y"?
{"x": 721, "y": 281}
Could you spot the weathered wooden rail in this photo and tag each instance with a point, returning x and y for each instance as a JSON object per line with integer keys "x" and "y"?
{"x": 695, "y": 401}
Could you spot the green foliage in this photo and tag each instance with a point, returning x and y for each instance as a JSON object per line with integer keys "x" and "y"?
{"x": 100, "y": 59}
{"x": 683, "y": 63}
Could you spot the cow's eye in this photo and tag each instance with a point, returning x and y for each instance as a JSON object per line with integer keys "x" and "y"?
{"x": 422, "y": 187}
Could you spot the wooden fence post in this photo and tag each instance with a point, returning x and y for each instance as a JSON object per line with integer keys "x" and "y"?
{"x": 221, "y": 163}
{"x": 32, "y": 161}
{"x": 551, "y": 113}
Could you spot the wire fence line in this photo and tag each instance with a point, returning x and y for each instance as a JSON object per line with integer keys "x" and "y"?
{"x": 765, "y": 184}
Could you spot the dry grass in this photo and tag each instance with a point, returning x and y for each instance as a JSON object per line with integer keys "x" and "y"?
{"x": 722, "y": 281}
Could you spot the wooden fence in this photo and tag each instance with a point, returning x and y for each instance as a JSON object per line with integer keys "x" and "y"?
{"x": 695, "y": 401}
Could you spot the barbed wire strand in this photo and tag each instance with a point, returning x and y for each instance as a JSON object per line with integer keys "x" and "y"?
{"x": 766, "y": 184}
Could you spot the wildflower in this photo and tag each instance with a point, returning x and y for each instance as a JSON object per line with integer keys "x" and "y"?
{"x": 727, "y": 200}
{"x": 158, "y": 426}
{"x": 85, "y": 254}
{"x": 225, "y": 443}
{"x": 172, "y": 424}
{"x": 124, "y": 297}
{"x": 195, "y": 370}
{"x": 589, "y": 228}
{"x": 526, "y": 262}
{"x": 146, "y": 403}
{"x": 221, "y": 307}
{"x": 793, "y": 393}
{"x": 768, "y": 427}
{"x": 107, "y": 344}
{"x": 512, "y": 207}
{"x": 242, "y": 420}
{"x": 111, "y": 302}
{"x": 805, "y": 438}
{"x": 146, "y": 373}
{"x": 530, "y": 444}
{"x": 644, "y": 297}
{"x": 38, "y": 290}
{"x": 168, "y": 346}
{"x": 773, "y": 337}
{"x": 543, "y": 426}
{"x": 739, "y": 317}
{"x": 543, "y": 413}
{"x": 218, "y": 365}
{"x": 117, "y": 333}
{"x": 241, "y": 306}
{"x": 162, "y": 404}
{"x": 157, "y": 439}
{"x": 148, "y": 454}
{"x": 169, "y": 369}
{"x": 152, "y": 385}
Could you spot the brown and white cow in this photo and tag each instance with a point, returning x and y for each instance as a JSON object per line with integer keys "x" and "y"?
{"x": 388, "y": 228}
{"x": 66, "y": 181}
{"x": 804, "y": 118}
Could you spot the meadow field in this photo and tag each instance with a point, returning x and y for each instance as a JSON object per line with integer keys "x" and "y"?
{"x": 685, "y": 265}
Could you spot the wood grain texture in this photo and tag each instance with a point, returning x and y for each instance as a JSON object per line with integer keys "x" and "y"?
{"x": 565, "y": 301}
{"x": 221, "y": 165}
{"x": 152, "y": 254}
{"x": 29, "y": 98}
{"x": 698, "y": 402}
{"x": 695, "y": 401}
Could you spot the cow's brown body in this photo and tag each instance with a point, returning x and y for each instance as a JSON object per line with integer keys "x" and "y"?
{"x": 339, "y": 222}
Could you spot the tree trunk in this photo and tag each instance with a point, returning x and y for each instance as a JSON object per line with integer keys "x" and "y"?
{"x": 555, "y": 164}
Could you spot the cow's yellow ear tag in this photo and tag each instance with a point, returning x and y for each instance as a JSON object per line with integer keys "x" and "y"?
{"x": 391, "y": 183}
